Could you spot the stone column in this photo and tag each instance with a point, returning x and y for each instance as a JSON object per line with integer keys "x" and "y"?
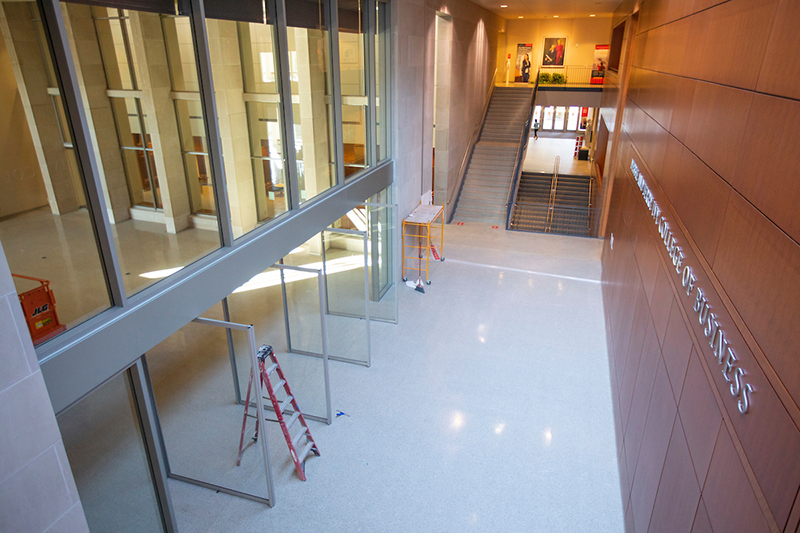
{"x": 30, "y": 71}
{"x": 223, "y": 42}
{"x": 83, "y": 39}
{"x": 150, "y": 51}
{"x": 36, "y": 484}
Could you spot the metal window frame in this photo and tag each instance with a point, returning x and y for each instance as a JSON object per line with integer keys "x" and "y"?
{"x": 332, "y": 26}
{"x": 78, "y": 360}
{"x": 69, "y": 88}
{"x": 153, "y": 440}
{"x": 197, "y": 18}
{"x": 277, "y": 13}
{"x": 369, "y": 60}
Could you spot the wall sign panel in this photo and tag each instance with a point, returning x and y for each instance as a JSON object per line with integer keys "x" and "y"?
{"x": 767, "y": 433}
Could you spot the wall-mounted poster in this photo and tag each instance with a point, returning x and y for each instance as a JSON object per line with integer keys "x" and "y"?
{"x": 553, "y": 53}
{"x": 522, "y": 72}
{"x": 600, "y": 63}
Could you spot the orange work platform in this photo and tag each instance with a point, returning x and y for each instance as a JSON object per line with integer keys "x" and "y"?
{"x": 39, "y": 308}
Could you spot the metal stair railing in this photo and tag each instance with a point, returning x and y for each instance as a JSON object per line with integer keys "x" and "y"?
{"x": 513, "y": 187}
{"x": 553, "y": 187}
{"x": 462, "y": 171}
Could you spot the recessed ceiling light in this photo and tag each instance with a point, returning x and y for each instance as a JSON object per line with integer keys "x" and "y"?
{"x": 591, "y": 15}
{"x": 555, "y": 16}
{"x": 503, "y": 5}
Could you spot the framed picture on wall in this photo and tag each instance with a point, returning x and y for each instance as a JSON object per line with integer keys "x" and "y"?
{"x": 553, "y": 51}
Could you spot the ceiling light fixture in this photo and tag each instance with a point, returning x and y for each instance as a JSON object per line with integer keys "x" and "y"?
{"x": 555, "y": 16}
{"x": 591, "y": 15}
{"x": 503, "y": 5}
{"x": 520, "y": 17}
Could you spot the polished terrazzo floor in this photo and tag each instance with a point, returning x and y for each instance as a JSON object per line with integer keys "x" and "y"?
{"x": 487, "y": 408}
{"x": 542, "y": 152}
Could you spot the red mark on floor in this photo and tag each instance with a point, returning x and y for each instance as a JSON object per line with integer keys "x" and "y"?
{"x": 494, "y": 227}
{"x": 459, "y": 223}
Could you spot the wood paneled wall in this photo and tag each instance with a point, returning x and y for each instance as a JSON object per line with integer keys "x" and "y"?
{"x": 711, "y": 116}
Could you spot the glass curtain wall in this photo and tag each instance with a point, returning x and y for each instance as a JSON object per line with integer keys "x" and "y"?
{"x": 139, "y": 86}
{"x": 148, "y": 135}
{"x": 262, "y": 103}
{"x": 189, "y": 115}
{"x": 47, "y": 235}
{"x": 352, "y": 69}
{"x": 382, "y": 61}
{"x": 105, "y": 446}
{"x": 312, "y": 101}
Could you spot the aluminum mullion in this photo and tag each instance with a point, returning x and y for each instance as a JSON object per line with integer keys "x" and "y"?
{"x": 203, "y": 57}
{"x": 58, "y": 43}
{"x": 371, "y": 114}
{"x": 151, "y": 432}
{"x": 277, "y": 15}
{"x": 336, "y": 87}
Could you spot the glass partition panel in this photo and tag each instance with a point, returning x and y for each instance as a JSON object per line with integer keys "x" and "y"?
{"x": 150, "y": 150}
{"x": 311, "y": 96}
{"x": 103, "y": 438}
{"x": 346, "y": 286}
{"x": 260, "y": 302}
{"x": 381, "y": 227}
{"x": 201, "y": 419}
{"x": 46, "y": 231}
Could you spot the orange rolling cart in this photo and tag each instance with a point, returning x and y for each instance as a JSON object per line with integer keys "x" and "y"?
{"x": 39, "y": 307}
{"x": 420, "y": 230}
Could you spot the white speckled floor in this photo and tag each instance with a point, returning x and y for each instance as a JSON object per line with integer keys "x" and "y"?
{"x": 488, "y": 408}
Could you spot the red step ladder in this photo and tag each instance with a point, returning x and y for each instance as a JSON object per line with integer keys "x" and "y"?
{"x": 280, "y": 407}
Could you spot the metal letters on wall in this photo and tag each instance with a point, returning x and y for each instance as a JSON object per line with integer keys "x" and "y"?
{"x": 722, "y": 351}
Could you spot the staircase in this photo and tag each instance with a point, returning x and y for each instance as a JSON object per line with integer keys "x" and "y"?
{"x": 570, "y": 212}
{"x": 484, "y": 193}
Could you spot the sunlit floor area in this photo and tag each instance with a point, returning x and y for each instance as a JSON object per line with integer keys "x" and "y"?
{"x": 63, "y": 250}
{"x": 542, "y": 152}
{"x": 487, "y": 408}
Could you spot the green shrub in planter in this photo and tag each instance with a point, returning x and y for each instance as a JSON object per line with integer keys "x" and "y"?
{"x": 544, "y": 77}
{"x": 559, "y": 78}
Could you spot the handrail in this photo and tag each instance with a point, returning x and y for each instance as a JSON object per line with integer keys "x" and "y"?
{"x": 511, "y": 197}
{"x": 462, "y": 171}
{"x": 553, "y": 187}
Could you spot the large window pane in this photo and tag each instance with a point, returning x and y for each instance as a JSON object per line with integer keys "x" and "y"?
{"x": 243, "y": 61}
{"x": 272, "y": 195}
{"x": 148, "y": 134}
{"x": 313, "y": 112}
{"x": 572, "y": 118}
{"x": 558, "y": 122}
{"x": 382, "y": 60}
{"x": 113, "y": 27}
{"x": 45, "y": 232}
{"x": 353, "y": 84}
{"x": 547, "y": 123}
{"x": 103, "y": 438}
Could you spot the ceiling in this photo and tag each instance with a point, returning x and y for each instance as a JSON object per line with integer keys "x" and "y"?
{"x": 541, "y": 9}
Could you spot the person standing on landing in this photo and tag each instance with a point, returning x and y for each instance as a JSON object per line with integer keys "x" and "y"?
{"x": 535, "y": 129}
